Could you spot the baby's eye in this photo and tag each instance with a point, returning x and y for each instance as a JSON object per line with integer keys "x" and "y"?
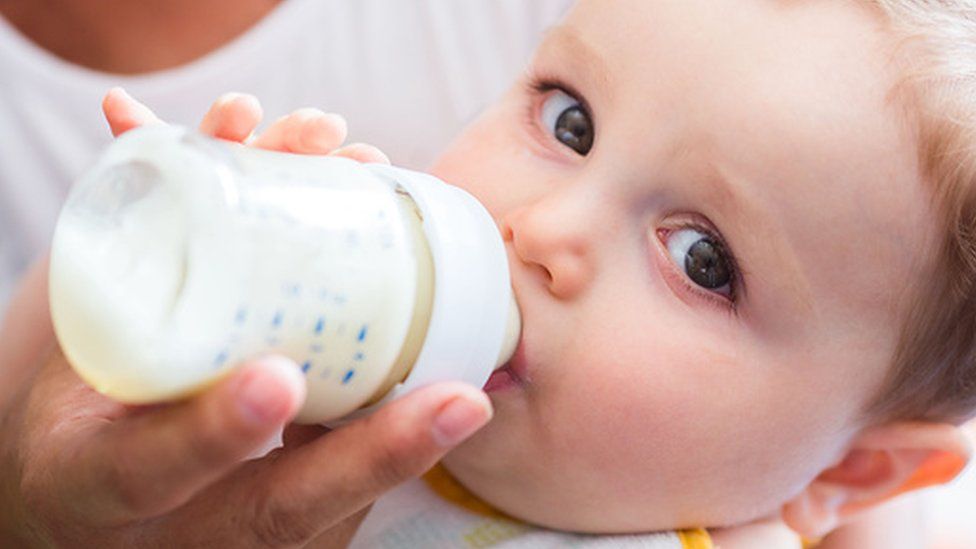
{"x": 568, "y": 121}
{"x": 703, "y": 259}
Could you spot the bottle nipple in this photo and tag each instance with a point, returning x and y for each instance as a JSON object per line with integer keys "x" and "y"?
{"x": 513, "y": 332}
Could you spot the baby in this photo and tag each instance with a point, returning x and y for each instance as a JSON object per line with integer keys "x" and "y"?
{"x": 742, "y": 239}
{"x": 742, "y": 234}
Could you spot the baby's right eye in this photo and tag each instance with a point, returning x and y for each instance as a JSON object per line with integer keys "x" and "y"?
{"x": 568, "y": 121}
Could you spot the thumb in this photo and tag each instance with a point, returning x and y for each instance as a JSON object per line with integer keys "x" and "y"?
{"x": 315, "y": 486}
{"x": 159, "y": 459}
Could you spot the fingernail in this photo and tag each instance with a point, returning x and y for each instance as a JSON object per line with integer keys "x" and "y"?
{"x": 459, "y": 419}
{"x": 261, "y": 397}
{"x": 227, "y": 98}
{"x": 119, "y": 90}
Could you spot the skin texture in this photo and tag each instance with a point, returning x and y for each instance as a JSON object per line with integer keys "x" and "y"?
{"x": 648, "y": 402}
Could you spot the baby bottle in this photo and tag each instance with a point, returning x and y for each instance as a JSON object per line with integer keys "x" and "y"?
{"x": 178, "y": 255}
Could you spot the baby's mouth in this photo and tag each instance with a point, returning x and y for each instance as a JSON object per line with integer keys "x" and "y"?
{"x": 511, "y": 375}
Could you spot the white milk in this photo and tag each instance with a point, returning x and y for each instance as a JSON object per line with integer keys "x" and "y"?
{"x": 178, "y": 256}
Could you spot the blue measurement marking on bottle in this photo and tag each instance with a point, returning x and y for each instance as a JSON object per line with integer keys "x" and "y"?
{"x": 348, "y": 376}
{"x": 362, "y": 332}
{"x": 221, "y": 358}
{"x": 386, "y": 241}
{"x": 320, "y": 325}
{"x": 291, "y": 289}
{"x": 358, "y": 356}
{"x": 276, "y": 321}
{"x": 241, "y": 316}
{"x": 306, "y": 366}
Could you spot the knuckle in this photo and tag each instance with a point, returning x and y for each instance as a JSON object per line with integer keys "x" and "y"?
{"x": 129, "y": 496}
{"x": 210, "y": 443}
{"x": 276, "y": 523}
{"x": 121, "y": 483}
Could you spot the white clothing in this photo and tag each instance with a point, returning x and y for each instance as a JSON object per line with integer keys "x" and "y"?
{"x": 407, "y": 75}
{"x": 412, "y": 515}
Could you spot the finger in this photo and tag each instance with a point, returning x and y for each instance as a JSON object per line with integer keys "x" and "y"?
{"x": 299, "y": 435}
{"x": 362, "y": 152}
{"x": 154, "y": 462}
{"x": 313, "y": 487}
{"x": 124, "y": 113}
{"x": 342, "y": 533}
{"x": 305, "y": 131}
{"x": 25, "y": 331}
{"x": 233, "y": 116}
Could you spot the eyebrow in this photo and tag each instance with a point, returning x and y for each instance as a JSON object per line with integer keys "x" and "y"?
{"x": 756, "y": 232}
{"x": 567, "y": 38}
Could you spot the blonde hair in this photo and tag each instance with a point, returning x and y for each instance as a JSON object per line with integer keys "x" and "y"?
{"x": 934, "y": 371}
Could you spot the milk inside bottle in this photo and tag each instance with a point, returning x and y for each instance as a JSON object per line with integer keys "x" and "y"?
{"x": 177, "y": 256}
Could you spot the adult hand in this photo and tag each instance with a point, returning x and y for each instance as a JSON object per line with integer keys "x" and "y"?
{"x": 78, "y": 469}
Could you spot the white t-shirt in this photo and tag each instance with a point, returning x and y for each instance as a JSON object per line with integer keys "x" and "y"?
{"x": 407, "y": 75}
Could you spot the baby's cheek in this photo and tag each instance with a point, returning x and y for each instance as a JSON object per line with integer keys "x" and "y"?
{"x": 659, "y": 411}
{"x": 628, "y": 409}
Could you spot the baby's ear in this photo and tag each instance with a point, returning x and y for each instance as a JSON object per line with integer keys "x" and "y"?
{"x": 881, "y": 463}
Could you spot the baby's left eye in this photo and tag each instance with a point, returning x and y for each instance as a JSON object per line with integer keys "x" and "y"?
{"x": 568, "y": 121}
{"x": 703, "y": 259}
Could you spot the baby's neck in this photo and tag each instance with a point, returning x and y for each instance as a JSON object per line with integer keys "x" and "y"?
{"x": 129, "y": 37}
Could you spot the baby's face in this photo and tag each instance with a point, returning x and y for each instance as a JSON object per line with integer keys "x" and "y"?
{"x": 711, "y": 288}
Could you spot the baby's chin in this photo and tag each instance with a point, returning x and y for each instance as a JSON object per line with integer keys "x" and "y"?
{"x": 508, "y": 472}
{"x": 504, "y": 466}
{"x": 523, "y": 495}
{"x": 493, "y": 472}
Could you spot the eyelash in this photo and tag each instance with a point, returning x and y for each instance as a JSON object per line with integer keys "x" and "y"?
{"x": 727, "y": 303}
{"x": 537, "y": 85}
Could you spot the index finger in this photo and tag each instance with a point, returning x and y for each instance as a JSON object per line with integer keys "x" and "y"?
{"x": 296, "y": 494}
{"x": 124, "y": 113}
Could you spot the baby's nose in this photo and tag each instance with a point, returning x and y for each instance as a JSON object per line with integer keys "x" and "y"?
{"x": 554, "y": 244}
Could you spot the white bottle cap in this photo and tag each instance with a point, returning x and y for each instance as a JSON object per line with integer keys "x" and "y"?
{"x": 472, "y": 314}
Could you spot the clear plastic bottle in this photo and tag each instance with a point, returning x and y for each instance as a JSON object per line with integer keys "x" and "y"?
{"x": 179, "y": 255}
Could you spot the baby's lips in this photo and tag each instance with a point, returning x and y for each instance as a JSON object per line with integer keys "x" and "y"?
{"x": 512, "y": 374}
